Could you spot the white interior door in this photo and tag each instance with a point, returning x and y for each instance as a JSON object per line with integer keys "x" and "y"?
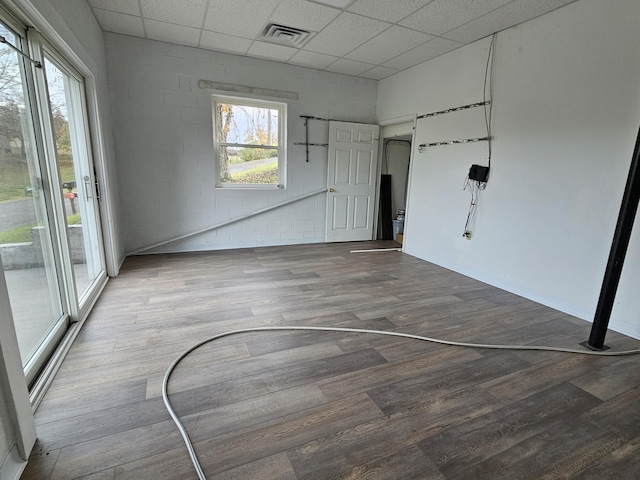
{"x": 352, "y": 174}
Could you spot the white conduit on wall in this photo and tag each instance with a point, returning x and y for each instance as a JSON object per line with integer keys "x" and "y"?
{"x": 228, "y": 222}
{"x": 185, "y": 435}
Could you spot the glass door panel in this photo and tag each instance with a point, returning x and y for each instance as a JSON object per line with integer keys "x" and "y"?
{"x": 75, "y": 165}
{"x": 26, "y": 245}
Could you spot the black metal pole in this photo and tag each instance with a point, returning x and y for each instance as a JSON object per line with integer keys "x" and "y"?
{"x": 306, "y": 133}
{"x": 621, "y": 237}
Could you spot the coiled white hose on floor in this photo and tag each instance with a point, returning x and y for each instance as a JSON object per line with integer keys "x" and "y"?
{"x": 185, "y": 435}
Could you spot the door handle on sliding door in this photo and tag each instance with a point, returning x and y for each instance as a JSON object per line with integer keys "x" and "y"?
{"x": 87, "y": 187}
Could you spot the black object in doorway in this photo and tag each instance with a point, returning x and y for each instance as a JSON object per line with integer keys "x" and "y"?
{"x": 385, "y": 207}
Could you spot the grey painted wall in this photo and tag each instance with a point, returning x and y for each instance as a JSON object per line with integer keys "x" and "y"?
{"x": 164, "y": 144}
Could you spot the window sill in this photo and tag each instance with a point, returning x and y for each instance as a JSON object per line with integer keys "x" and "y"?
{"x": 249, "y": 186}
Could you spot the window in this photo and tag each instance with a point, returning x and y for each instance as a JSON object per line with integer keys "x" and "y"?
{"x": 249, "y": 142}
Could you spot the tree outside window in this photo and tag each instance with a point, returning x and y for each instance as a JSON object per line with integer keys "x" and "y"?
{"x": 249, "y": 140}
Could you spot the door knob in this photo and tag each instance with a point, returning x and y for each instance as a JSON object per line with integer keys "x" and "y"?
{"x": 331, "y": 190}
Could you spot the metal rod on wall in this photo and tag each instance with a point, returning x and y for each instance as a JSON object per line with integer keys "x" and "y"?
{"x": 330, "y": 119}
{"x": 306, "y": 138}
{"x": 422, "y": 146}
{"x": 624, "y": 227}
{"x": 455, "y": 109}
{"x": 228, "y": 222}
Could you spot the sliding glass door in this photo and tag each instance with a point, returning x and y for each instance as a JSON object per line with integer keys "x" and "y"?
{"x": 73, "y": 158}
{"x": 26, "y": 241}
{"x": 50, "y": 239}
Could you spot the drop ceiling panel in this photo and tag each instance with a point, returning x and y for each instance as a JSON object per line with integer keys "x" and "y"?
{"x": 183, "y": 12}
{"x": 224, "y": 43}
{"x": 506, "y": 16}
{"x": 345, "y": 33}
{"x": 270, "y": 51}
{"x": 130, "y": 7}
{"x": 119, "y": 23}
{"x": 312, "y": 59}
{"x": 349, "y": 67}
{"x": 367, "y": 38}
{"x": 429, "y": 50}
{"x": 178, "y": 33}
{"x": 388, "y": 44}
{"x": 334, "y": 3}
{"x": 389, "y": 11}
{"x": 379, "y": 72}
{"x": 303, "y": 14}
{"x": 244, "y": 18}
{"x": 440, "y": 16}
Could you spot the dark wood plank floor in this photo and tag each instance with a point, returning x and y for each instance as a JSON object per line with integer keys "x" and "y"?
{"x": 324, "y": 405}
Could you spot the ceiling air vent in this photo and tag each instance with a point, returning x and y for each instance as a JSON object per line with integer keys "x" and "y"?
{"x": 282, "y": 35}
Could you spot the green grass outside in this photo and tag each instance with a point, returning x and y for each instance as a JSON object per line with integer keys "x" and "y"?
{"x": 23, "y": 234}
{"x": 15, "y": 177}
{"x": 17, "y": 235}
{"x": 265, "y": 174}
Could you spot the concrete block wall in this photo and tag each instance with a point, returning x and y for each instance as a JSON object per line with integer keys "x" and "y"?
{"x": 164, "y": 145}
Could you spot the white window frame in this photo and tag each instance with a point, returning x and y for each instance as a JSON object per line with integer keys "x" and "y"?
{"x": 282, "y": 140}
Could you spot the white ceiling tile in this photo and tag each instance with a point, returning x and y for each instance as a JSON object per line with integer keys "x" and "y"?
{"x": 119, "y": 23}
{"x": 312, "y": 59}
{"x": 386, "y": 10}
{"x": 182, "y": 12}
{"x": 270, "y": 51}
{"x": 170, "y": 33}
{"x": 224, "y": 43}
{"x": 361, "y": 41}
{"x": 345, "y": 33}
{"x": 130, "y": 7}
{"x": 349, "y": 67}
{"x": 516, "y": 12}
{"x": 429, "y": 50}
{"x": 303, "y": 14}
{"x": 388, "y": 44}
{"x": 378, "y": 73}
{"x": 440, "y": 16}
{"x": 334, "y": 3}
{"x": 244, "y": 18}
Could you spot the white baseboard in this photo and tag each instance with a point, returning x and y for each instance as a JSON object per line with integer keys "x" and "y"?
{"x": 13, "y": 466}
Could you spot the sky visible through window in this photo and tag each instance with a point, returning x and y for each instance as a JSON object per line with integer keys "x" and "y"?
{"x": 252, "y": 125}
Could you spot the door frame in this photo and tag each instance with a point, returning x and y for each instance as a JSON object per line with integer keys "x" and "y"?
{"x": 49, "y": 24}
{"x": 80, "y": 302}
{"x": 412, "y": 119}
{"x": 78, "y": 307}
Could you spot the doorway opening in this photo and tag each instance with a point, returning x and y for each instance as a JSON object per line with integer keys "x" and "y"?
{"x": 394, "y": 180}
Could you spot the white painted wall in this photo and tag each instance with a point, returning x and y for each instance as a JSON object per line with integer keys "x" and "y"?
{"x": 164, "y": 145}
{"x": 566, "y": 111}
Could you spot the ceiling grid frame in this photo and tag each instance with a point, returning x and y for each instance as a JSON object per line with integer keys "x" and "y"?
{"x": 365, "y": 38}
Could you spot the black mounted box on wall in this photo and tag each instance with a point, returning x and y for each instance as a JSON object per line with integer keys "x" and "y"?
{"x": 479, "y": 173}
